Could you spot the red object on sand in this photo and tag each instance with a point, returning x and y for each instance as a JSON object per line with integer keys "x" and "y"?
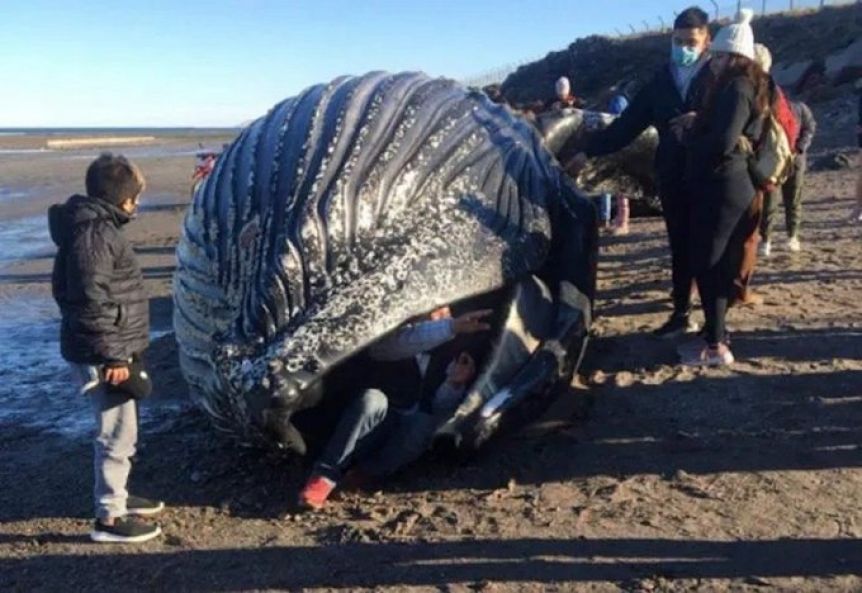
{"x": 316, "y": 492}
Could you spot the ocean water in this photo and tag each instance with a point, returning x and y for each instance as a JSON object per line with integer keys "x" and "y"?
{"x": 10, "y": 194}
{"x": 35, "y": 382}
{"x": 23, "y": 238}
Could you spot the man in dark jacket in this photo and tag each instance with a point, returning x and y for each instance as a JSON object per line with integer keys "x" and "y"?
{"x": 667, "y": 102}
{"x": 99, "y": 288}
{"x": 791, "y": 191}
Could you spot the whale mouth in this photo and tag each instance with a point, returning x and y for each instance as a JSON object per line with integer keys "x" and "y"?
{"x": 521, "y": 320}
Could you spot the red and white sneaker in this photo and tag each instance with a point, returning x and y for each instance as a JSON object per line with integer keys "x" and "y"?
{"x": 316, "y": 492}
{"x": 708, "y": 356}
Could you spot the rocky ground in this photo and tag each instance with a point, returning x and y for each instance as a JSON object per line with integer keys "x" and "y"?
{"x": 643, "y": 477}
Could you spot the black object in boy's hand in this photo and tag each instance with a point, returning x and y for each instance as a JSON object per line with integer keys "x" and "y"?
{"x": 137, "y": 386}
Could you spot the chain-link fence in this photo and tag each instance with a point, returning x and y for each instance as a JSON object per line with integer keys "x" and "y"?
{"x": 719, "y": 11}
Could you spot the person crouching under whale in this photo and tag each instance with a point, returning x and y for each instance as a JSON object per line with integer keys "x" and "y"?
{"x": 390, "y": 424}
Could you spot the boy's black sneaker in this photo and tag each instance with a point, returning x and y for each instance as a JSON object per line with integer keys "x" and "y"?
{"x": 125, "y": 530}
{"x": 141, "y": 507}
{"x": 677, "y": 325}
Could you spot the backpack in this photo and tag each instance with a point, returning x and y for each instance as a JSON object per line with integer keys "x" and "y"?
{"x": 771, "y": 160}
{"x": 783, "y": 112}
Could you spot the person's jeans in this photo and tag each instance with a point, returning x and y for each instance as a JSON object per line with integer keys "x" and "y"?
{"x": 361, "y": 428}
{"x": 114, "y": 442}
{"x": 791, "y": 194}
{"x": 409, "y": 436}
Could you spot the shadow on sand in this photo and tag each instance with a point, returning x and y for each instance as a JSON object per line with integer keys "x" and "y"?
{"x": 393, "y": 564}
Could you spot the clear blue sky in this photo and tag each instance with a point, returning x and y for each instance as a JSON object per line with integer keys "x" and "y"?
{"x": 221, "y": 62}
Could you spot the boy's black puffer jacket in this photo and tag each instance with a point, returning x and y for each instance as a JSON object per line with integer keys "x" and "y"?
{"x": 97, "y": 284}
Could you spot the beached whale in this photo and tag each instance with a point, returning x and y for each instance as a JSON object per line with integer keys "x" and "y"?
{"x": 359, "y": 205}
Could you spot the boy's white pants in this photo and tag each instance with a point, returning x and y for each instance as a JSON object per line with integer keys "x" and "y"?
{"x": 114, "y": 441}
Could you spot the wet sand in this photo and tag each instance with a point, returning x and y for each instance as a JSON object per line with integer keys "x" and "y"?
{"x": 28, "y": 316}
{"x": 643, "y": 477}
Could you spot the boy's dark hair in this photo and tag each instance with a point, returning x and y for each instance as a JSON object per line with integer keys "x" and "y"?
{"x": 692, "y": 17}
{"x": 114, "y": 179}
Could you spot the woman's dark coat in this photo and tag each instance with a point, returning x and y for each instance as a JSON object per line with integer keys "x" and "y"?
{"x": 717, "y": 170}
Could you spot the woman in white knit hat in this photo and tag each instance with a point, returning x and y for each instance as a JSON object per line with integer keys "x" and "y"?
{"x": 718, "y": 174}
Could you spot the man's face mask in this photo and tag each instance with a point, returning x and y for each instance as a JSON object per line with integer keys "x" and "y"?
{"x": 682, "y": 55}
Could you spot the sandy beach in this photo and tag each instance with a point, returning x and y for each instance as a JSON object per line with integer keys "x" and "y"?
{"x": 643, "y": 477}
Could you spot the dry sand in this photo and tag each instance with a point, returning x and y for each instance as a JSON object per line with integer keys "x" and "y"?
{"x": 648, "y": 477}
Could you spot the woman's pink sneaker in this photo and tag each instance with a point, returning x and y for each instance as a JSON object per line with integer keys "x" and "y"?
{"x": 708, "y": 356}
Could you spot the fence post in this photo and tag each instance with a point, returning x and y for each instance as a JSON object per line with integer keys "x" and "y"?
{"x": 715, "y": 4}
{"x": 763, "y": 8}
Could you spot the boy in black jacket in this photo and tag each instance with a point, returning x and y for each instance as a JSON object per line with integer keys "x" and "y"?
{"x": 99, "y": 288}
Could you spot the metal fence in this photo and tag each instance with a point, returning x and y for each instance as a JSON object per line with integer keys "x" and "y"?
{"x": 662, "y": 23}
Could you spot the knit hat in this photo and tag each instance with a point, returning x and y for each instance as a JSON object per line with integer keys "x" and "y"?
{"x": 763, "y": 57}
{"x": 736, "y": 38}
{"x": 563, "y": 87}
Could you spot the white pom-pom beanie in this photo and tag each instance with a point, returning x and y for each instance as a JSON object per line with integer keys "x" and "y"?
{"x": 736, "y": 38}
